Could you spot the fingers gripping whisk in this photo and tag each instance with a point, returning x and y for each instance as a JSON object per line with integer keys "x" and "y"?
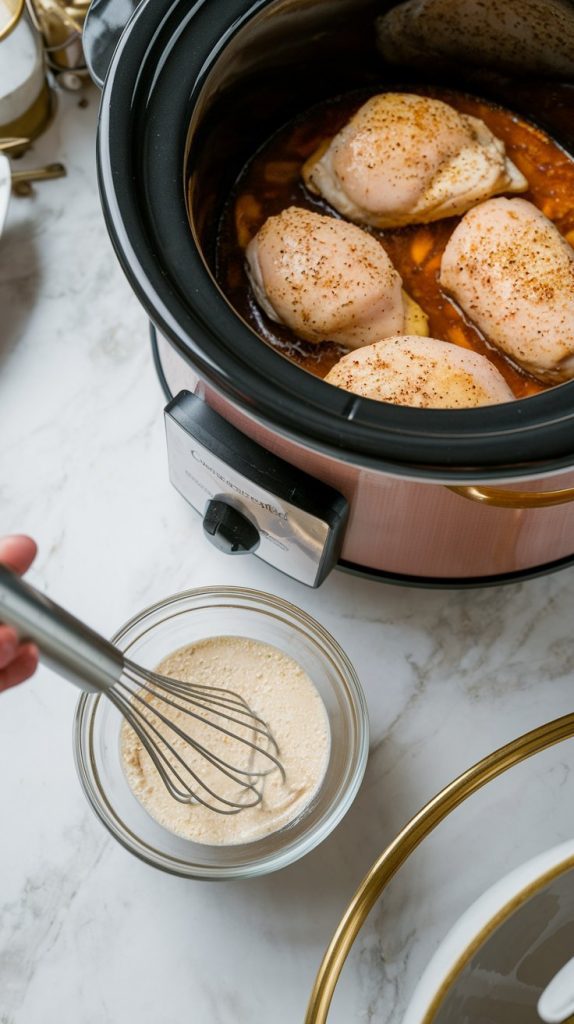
{"x": 177, "y": 723}
{"x": 205, "y": 742}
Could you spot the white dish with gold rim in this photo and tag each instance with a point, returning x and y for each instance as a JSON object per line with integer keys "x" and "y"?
{"x": 500, "y": 961}
{"x": 22, "y": 66}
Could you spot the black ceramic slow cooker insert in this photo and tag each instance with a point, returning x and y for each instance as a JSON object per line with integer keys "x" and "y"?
{"x": 191, "y": 92}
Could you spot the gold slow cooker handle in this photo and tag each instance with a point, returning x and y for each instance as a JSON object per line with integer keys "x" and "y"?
{"x": 497, "y": 497}
{"x": 411, "y": 836}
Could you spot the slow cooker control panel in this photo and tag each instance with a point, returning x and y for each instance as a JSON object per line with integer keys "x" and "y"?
{"x": 251, "y": 500}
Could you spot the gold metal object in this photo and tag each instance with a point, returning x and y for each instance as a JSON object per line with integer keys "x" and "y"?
{"x": 39, "y": 173}
{"x": 411, "y": 836}
{"x": 14, "y": 145}
{"x": 22, "y": 180}
{"x": 60, "y": 25}
{"x": 497, "y": 497}
{"x": 15, "y": 9}
{"x": 33, "y": 122}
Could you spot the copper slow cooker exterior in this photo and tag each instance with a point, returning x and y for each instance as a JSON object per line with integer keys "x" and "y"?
{"x": 465, "y": 497}
{"x": 403, "y": 527}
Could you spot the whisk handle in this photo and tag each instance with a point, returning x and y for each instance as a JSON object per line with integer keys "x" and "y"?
{"x": 67, "y": 645}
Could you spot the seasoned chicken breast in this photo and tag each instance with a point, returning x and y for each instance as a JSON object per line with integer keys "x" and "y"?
{"x": 512, "y": 273}
{"x": 328, "y": 280}
{"x": 406, "y": 159}
{"x": 421, "y": 372}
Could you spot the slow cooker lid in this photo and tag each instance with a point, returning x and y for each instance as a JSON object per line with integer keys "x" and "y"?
{"x": 174, "y": 64}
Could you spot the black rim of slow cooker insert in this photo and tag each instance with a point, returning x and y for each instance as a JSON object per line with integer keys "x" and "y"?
{"x": 154, "y": 82}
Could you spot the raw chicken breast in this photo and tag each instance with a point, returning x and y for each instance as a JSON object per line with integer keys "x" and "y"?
{"x": 405, "y": 159}
{"x": 421, "y": 372}
{"x": 512, "y": 273}
{"x": 327, "y": 280}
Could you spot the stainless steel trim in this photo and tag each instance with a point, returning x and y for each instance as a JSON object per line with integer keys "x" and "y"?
{"x": 291, "y": 539}
{"x": 66, "y": 644}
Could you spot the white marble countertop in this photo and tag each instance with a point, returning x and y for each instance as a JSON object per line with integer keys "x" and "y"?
{"x": 88, "y": 933}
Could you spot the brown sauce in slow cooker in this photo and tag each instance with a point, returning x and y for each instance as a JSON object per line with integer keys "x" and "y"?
{"x": 271, "y": 181}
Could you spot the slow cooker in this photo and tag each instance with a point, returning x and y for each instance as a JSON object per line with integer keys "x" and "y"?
{"x": 275, "y": 460}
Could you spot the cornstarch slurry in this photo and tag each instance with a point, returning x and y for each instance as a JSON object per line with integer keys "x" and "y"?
{"x": 279, "y": 691}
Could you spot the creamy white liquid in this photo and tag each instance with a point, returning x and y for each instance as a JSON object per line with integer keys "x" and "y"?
{"x": 282, "y": 694}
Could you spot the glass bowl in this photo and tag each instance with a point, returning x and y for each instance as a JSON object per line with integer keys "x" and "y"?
{"x": 184, "y": 619}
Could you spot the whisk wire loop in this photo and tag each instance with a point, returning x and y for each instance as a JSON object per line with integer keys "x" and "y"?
{"x": 199, "y": 747}
{"x": 140, "y": 692}
{"x": 254, "y": 723}
{"x": 255, "y": 747}
{"x": 166, "y": 768}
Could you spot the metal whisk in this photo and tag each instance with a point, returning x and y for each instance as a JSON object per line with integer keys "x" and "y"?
{"x": 148, "y": 702}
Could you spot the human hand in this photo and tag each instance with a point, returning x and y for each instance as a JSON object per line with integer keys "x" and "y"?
{"x": 18, "y": 661}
